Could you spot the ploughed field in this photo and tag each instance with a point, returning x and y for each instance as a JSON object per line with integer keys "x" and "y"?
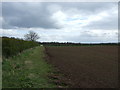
{"x": 86, "y": 66}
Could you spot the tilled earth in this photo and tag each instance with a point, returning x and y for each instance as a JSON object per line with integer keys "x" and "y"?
{"x": 86, "y": 66}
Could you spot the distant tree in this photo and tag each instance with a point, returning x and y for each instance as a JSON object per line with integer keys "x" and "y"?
{"x": 31, "y": 36}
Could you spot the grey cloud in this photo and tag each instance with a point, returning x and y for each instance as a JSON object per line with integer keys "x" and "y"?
{"x": 87, "y": 7}
{"x": 90, "y": 8}
{"x": 38, "y": 15}
{"x": 107, "y": 23}
{"x": 27, "y": 15}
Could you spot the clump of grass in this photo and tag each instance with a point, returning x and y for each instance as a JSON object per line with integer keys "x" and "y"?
{"x": 27, "y": 70}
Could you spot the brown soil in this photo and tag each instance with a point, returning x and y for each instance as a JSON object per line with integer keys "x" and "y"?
{"x": 86, "y": 66}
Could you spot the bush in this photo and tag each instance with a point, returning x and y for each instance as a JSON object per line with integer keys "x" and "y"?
{"x": 13, "y": 46}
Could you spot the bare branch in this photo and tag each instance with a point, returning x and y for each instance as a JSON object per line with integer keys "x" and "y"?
{"x": 31, "y": 36}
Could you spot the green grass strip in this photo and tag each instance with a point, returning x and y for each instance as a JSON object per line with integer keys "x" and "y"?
{"x": 27, "y": 70}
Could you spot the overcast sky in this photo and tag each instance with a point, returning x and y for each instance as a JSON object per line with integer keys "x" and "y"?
{"x": 62, "y": 22}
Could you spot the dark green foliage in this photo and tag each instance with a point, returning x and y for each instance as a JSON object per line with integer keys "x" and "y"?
{"x": 12, "y": 46}
{"x": 74, "y": 44}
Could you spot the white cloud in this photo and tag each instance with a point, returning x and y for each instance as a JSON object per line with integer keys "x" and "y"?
{"x": 77, "y": 23}
{"x": 9, "y": 32}
{"x": 60, "y": 18}
{"x": 65, "y": 35}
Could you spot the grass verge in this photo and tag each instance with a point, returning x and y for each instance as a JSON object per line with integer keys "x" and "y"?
{"x": 27, "y": 70}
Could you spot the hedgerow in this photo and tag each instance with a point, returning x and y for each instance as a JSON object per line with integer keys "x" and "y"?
{"x": 13, "y": 46}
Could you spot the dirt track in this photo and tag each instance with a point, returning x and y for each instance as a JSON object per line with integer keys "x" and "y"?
{"x": 87, "y": 66}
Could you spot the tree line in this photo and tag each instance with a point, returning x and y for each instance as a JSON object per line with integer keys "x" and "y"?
{"x": 73, "y": 44}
